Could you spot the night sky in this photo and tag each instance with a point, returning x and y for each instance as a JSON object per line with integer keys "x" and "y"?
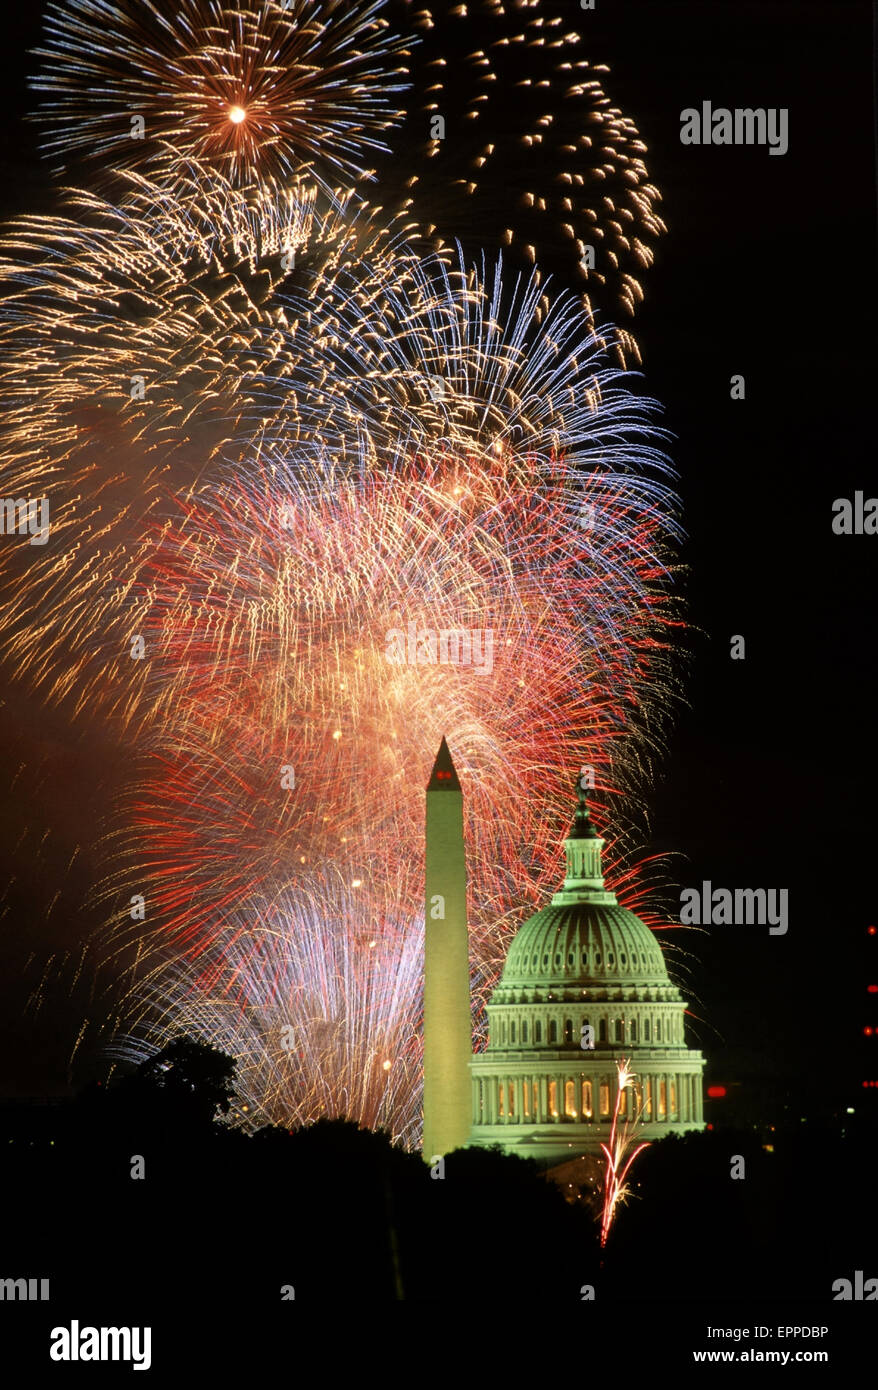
{"x": 767, "y": 270}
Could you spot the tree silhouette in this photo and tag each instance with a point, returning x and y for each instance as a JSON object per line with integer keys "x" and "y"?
{"x": 187, "y": 1082}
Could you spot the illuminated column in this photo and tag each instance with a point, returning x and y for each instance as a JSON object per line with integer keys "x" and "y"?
{"x": 447, "y": 1019}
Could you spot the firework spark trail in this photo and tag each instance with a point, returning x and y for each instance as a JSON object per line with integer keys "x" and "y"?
{"x": 323, "y": 1018}
{"x": 259, "y": 91}
{"x": 291, "y": 668}
{"x": 270, "y": 606}
{"x": 142, "y": 340}
{"x": 304, "y": 88}
{"x": 619, "y": 1153}
{"x": 560, "y": 171}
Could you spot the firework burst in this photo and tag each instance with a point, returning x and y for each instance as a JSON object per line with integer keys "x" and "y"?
{"x": 558, "y": 175}
{"x": 319, "y": 1005}
{"x": 295, "y": 729}
{"x": 272, "y": 438}
{"x": 142, "y": 341}
{"x": 270, "y": 89}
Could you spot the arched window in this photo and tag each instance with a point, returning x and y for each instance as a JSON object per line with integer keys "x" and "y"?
{"x": 553, "y": 1100}
{"x": 501, "y": 1111}
{"x": 553, "y": 1031}
{"x": 634, "y": 1030}
{"x": 602, "y": 1030}
{"x": 585, "y": 957}
{"x": 658, "y": 1030}
{"x": 570, "y": 1100}
{"x": 618, "y": 1030}
{"x": 646, "y": 1030}
{"x": 663, "y": 1099}
{"x": 605, "y": 1097}
{"x": 512, "y": 1032}
{"x": 510, "y": 1091}
{"x": 525, "y": 1097}
{"x": 587, "y": 1109}
{"x": 673, "y": 1100}
{"x": 503, "y": 1031}
{"x": 536, "y": 1100}
{"x": 524, "y": 1031}
{"x": 568, "y": 1030}
{"x": 538, "y": 1031}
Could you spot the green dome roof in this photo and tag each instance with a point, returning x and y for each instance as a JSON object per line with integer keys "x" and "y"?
{"x": 584, "y": 938}
{"x": 583, "y": 943}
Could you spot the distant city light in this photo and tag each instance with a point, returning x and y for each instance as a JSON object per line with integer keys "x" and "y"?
{"x": 716, "y": 1092}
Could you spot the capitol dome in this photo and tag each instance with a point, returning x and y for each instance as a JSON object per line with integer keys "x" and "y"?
{"x": 585, "y": 985}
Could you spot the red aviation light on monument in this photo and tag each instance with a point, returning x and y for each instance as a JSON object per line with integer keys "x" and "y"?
{"x": 716, "y": 1092}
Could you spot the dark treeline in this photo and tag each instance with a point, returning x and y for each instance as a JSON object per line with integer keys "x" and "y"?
{"x": 223, "y": 1221}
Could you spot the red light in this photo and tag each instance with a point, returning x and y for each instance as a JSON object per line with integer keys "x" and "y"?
{"x": 872, "y": 989}
{"x": 872, "y": 930}
{"x": 716, "y": 1092}
{"x": 868, "y": 1032}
